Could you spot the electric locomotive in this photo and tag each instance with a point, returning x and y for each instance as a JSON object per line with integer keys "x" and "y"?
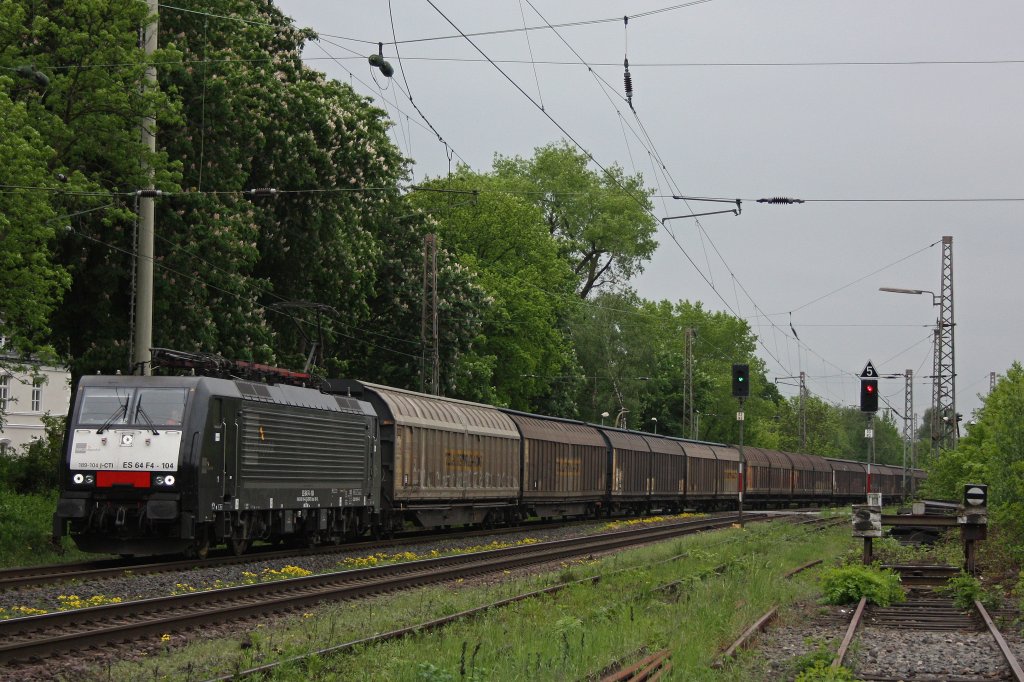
{"x": 156, "y": 465}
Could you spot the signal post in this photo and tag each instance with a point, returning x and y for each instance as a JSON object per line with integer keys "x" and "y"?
{"x": 869, "y": 404}
{"x": 741, "y": 389}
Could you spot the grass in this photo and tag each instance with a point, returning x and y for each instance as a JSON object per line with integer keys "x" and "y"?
{"x": 25, "y": 530}
{"x": 725, "y": 581}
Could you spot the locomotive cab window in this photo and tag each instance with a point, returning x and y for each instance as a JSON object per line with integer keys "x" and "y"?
{"x": 101, "y": 405}
{"x": 144, "y": 406}
{"x": 159, "y": 406}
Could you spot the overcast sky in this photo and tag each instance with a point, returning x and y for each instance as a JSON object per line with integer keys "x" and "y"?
{"x": 880, "y": 107}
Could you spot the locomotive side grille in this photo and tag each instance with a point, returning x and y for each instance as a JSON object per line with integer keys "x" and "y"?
{"x": 281, "y": 445}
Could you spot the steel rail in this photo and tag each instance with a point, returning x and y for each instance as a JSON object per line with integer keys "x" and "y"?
{"x": 649, "y": 668}
{"x": 34, "y": 576}
{"x": 850, "y": 631}
{"x": 1011, "y": 660}
{"x": 800, "y": 569}
{"x": 45, "y": 635}
{"x": 744, "y": 640}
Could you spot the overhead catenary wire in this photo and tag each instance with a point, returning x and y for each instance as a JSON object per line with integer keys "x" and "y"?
{"x": 240, "y": 297}
{"x": 700, "y": 228}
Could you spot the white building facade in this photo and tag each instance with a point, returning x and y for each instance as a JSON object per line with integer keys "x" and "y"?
{"x": 25, "y": 397}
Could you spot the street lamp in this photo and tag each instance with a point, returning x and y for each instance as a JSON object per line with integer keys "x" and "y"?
{"x": 655, "y": 420}
{"x": 604, "y": 415}
{"x": 943, "y": 376}
{"x": 697, "y": 413}
{"x": 936, "y": 299}
{"x": 620, "y": 419}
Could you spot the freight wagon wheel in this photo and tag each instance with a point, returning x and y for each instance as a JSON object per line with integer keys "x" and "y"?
{"x": 238, "y": 545}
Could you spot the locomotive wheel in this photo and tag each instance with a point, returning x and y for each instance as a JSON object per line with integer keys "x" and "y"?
{"x": 238, "y": 545}
{"x": 200, "y": 546}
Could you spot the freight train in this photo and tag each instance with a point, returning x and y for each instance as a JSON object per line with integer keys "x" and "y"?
{"x": 177, "y": 464}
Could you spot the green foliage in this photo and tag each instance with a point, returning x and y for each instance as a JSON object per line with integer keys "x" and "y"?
{"x": 948, "y": 550}
{"x": 31, "y": 283}
{"x": 35, "y": 470}
{"x": 632, "y": 353}
{"x": 601, "y": 221}
{"x": 428, "y": 672}
{"x": 569, "y": 635}
{"x": 992, "y": 452}
{"x": 847, "y": 584}
{"x": 965, "y": 589}
{"x": 83, "y": 153}
{"x": 822, "y": 654}
{"x": 824, "y": 672}
{"x": 26, "y": 529}
{"x": 501, "y": 238}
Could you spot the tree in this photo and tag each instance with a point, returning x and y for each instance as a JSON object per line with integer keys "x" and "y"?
{"x": 330, "y": 267}
{"x": 992, "y": 452}
{"x": 602, "y": 221}
{"x": 81, "y": 89}
{"x": 633, "y": 355}
{"x": 31, "y": 283}
{"x": 502, "y": 238}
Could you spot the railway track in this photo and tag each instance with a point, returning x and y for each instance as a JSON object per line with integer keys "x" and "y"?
{"x": 38, "y": 576}
{"x": 929, "y": 621}
{"x": 43, "y": 636}
{"x": 35, "y": 576}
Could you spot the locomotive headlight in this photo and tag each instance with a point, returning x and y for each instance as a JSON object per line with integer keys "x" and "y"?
{"x": 159, "y": 480}
{"x": 168, "y": 480}
{"x": 90, "y": 479}
{"x": 79, "y": 479}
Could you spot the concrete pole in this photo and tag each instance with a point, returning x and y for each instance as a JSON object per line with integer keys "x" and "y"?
{"x": 142, "y": 360}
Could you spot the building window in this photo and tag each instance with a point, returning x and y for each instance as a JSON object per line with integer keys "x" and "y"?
{"x": 6, "y": 447}
{"x": 5, "y": 388}
{"x": 37, "y": 395}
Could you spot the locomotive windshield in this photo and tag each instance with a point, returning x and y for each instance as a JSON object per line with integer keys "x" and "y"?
{"x": 116, "y": 406}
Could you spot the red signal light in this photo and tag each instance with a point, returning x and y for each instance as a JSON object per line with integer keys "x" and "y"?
{"x": 869, "y": 395}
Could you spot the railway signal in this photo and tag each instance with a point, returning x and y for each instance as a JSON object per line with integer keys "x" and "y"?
{"x": 975, "y": 495}
{"x": 741, "y": 380}
{"x": 869, "y": 395}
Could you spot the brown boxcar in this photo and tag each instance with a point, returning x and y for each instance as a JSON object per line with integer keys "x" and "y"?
{"x": 701, "y": 472}
{"x": 888, "y": 480}
{"x": 631, "y": 457}
{"x": 667, "y": 477}
{"x": 728, "y": 472}
{"x": 768, "y": 475}
{"x": 444, "y": 461}
{"x": 849, "y": 480}
{"x": 812, "y": 477}
{"x": 565, "y": 465}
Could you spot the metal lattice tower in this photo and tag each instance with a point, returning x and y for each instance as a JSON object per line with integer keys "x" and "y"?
{"x": 688, "y": 393}
{"x": 908, "y": 427}
{"x": 430, "y": 361}
{"x": 944, "y": 417}
{"x": 803, "y": 412}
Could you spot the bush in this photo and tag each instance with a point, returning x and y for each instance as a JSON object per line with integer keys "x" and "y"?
{"x": 965, "y": 589}
{"x": 34, "y": 470}
{"x": 847, "y": 584}
{"x": 824, "y": 672}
